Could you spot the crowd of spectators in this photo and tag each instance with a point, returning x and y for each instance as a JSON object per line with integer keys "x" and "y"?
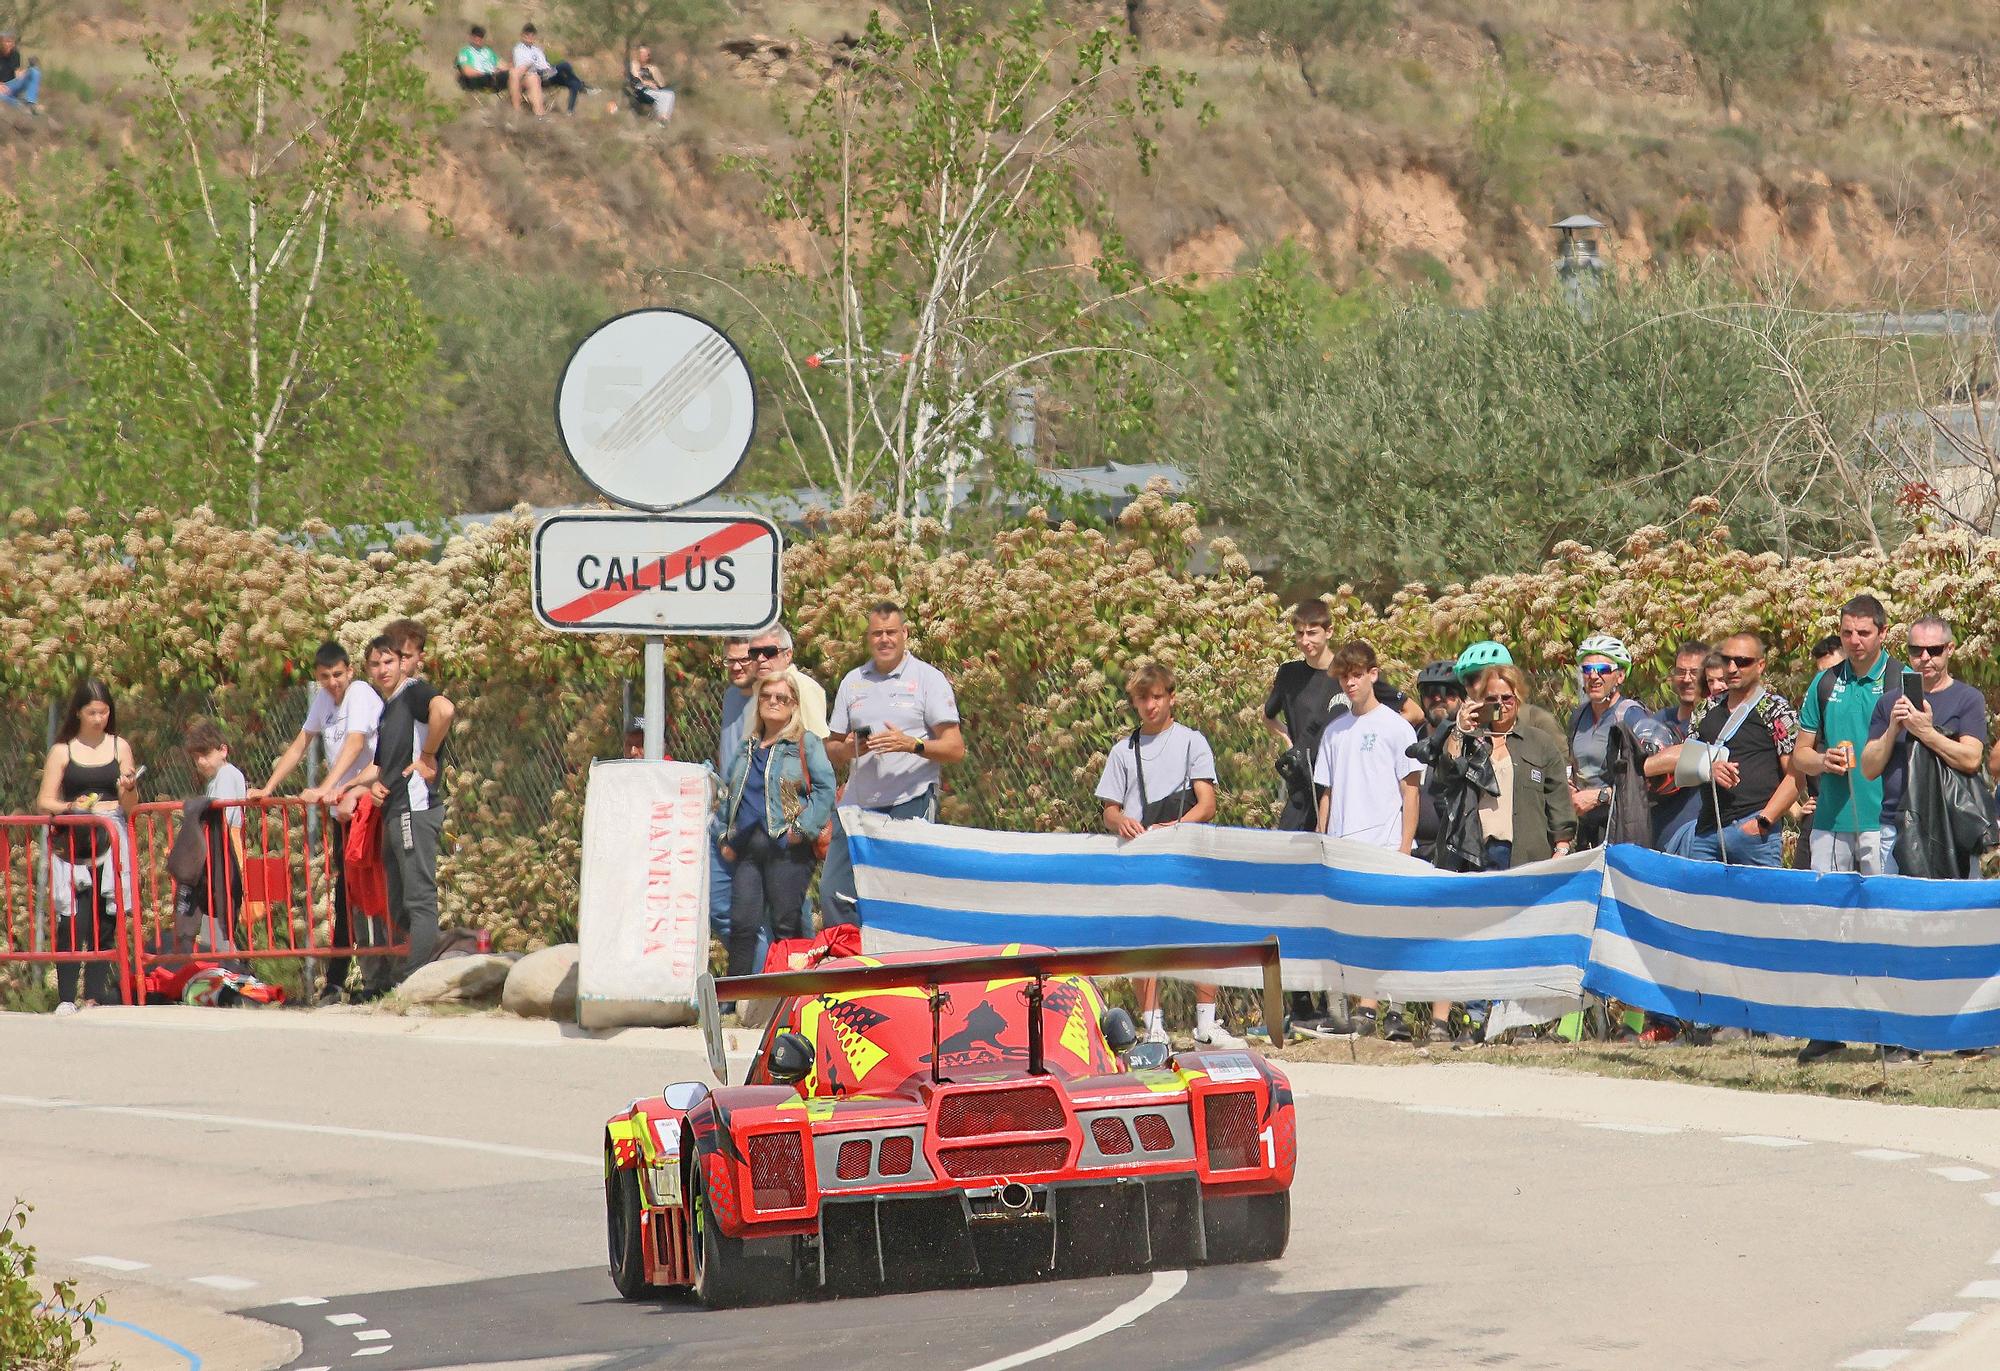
{"x": 384, "y": 749}
{"x": 527, "y": 74}
{"x": 1883, "y": 769}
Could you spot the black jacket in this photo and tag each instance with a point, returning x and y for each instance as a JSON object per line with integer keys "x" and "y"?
{"x": 1542, "y": 816}
{"x": 1946, "y": 820}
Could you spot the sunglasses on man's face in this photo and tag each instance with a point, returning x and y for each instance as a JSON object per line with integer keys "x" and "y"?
{"x": 1927, "y": 650}
{"x": 764, "y": 654}
{"x": 1597, "y": 668}
{"x": 1736, "y": 661}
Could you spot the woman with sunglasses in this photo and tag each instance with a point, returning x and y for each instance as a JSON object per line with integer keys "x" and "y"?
{"x": 1602, "y": 662}
{"x": 1510, "y": 778}
{"x": 776, "y": 801}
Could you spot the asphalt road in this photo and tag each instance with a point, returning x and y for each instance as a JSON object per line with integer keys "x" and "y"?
{"x": 408, "y": 1197}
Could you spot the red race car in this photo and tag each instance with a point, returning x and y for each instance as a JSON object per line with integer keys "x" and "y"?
{"x": 924, "y": 1117}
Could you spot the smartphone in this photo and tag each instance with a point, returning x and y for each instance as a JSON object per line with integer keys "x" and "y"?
{"x": 1489, "y": 713}
{"x": 1913, "y": 686}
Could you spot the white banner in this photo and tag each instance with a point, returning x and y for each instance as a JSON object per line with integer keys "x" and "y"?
{"x": 642, "y": 906}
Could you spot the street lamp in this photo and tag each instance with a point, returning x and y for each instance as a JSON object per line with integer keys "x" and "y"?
{"x": 1579, "y": 264}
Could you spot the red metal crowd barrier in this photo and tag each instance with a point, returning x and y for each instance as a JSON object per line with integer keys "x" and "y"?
{"x": 268, "y": 888}
{"x": 66, "y": 898}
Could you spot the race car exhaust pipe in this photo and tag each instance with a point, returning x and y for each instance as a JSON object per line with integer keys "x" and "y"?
{"x": 1015, "y": 1196}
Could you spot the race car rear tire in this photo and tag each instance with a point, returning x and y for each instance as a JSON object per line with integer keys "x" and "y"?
{"x": 624, "y": 1222}
{"x": 1247, "y": 1228}
{"x": 724, "y": 1275}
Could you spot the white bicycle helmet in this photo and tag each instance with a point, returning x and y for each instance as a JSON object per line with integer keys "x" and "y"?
{"x": 1604, "y": 645}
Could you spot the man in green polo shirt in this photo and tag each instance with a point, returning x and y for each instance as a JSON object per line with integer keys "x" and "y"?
{"x": 1833, "y": 728}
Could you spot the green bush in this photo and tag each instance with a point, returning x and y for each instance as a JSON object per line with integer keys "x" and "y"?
{"x": 38, "y": 1333}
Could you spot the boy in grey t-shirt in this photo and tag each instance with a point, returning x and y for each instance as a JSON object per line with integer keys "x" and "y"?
{"x": 1163, "y": 773}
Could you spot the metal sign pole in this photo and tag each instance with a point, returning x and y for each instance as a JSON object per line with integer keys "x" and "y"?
{"x": 656, "y": 698}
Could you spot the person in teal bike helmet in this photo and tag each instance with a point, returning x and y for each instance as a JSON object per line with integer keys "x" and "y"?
{"x": 1488, "y": 652}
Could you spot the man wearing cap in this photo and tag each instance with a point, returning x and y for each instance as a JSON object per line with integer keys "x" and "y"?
{"x": 1602, "y": 662}
{"x": 18, "y": 87}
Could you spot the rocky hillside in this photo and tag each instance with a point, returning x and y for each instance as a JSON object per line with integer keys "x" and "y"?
{"x": 1438, "y": 153}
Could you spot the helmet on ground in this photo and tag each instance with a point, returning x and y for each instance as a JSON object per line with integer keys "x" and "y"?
{"x": 1481, "y": 655}
{"x": 1440, "y": 676}
{"x": 1604, "y": 645}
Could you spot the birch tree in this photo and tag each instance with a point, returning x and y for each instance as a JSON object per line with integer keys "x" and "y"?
{"x": 954, "y": 248}
{"x": 238, "y": 344}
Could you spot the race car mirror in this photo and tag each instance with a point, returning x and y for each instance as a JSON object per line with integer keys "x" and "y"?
{"x": 1148, "y": 1056}
{"x": 684, "y": 1095}
{"x": 791, "y": 1058}
{"x": 1120, "y": 1033}
{"x": 711, "y": 1026}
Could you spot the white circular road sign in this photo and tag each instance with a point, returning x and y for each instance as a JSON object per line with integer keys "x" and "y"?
{"x": 656, "y": 408}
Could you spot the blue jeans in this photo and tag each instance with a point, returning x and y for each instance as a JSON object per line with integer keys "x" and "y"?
{"x": 1889, "y": 850}
{"x": 1737, "y": 846}
{"x": 721, "y": 884}
{"x": 25, "y": 89}
{"x": 837, "y": 901}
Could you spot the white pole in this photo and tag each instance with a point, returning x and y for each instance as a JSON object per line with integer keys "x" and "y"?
{"x": 656, "y": 699}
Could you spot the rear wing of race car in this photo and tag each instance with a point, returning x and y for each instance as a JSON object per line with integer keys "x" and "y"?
{"x": 1032, "y": 966}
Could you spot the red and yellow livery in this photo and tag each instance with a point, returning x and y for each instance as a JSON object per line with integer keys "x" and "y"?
{"x": 922, "y": 1117}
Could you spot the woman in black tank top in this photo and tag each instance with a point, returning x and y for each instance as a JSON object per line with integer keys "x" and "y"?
{"x": 90, "y": 770}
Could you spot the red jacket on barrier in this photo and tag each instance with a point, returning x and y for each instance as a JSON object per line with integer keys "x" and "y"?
{"x": 367, "y": 882}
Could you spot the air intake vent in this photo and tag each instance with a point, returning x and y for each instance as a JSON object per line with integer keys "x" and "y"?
{"x": 896, "y": 1155}
{"x": 1155, "y": 1133}
{"x": 1232, "y": 1131}
{"x": 777, "y": 1171}
{"x": 853, "y": 1163}
{"x": 1005, "y": 1159}
{"x": 1114, "y": 1139}
{"x": 1025, "y": 1109}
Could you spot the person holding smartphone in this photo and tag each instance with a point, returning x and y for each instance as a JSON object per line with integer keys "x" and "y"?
{"x": 1518, "y": 782}
{"x": 1930, "y": 709}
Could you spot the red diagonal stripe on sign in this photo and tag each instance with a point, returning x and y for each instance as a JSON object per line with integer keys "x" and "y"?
{"x": 724, "y": 540}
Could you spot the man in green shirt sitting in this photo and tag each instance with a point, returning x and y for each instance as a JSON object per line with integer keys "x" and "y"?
{"x": 479, "y": 67}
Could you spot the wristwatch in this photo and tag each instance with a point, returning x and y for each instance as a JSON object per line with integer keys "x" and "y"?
{"x": 920, "y": 747}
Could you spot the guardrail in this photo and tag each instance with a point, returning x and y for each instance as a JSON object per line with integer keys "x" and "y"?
{"x": 268, "y": 887}
{"x": 66, "y": 898}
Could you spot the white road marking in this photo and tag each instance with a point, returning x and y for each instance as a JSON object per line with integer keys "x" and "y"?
{"x": 223, "y": 1282}
{"x": 1651, "y": 1130}
{"x": 1991, "y": 1197}
{"x": 1455, "y": 1111}
{"x": 303, "y": 1302}
{"x": 112, "y": 1263}
{"x": 1884, "y": 1154}
{"x": 540, "y": 1154}
{"x": 1875, "y": 1359}
{"x": 1961, "y": 1173}
{"x": 372, "y": 1335}
{"x": 1163, "y": 1287}
{"x": 1946, "y": 1322}
{"x": 1766, "y": 1140}
{"x": 345, "y": 1320}
{"x": 373, "y": 1351}
{"x": 1981, "y": 1290}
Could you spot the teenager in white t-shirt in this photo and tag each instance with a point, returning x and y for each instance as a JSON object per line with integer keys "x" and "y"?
{"x": 1169, "y": 768}
{"x": 1370, "y": 788}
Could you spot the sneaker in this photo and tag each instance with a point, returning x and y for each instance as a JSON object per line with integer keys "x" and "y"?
{"x": 1361, "y": 1023}
{"x": 1218, "y": 1036}
{"x": 66, "y": 1007}
{"x": 1900, "y": 1056}
{"x": 1393, "y": 1027}
{"x": 1156, "y": 1035}
{"x": 1817, "y": 1048}
{"x": 1437, "y": 1033}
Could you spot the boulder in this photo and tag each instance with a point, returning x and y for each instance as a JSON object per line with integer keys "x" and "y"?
{"x": 457, "y": 980}
{"x": 542, "y": 985}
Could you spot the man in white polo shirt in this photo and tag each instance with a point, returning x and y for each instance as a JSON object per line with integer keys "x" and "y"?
{"x": 896, "y": 720}
{"x": 345, "y": 714}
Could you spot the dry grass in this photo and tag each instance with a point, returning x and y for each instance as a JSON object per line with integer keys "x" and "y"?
{"x": 1767, "y": 1064}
